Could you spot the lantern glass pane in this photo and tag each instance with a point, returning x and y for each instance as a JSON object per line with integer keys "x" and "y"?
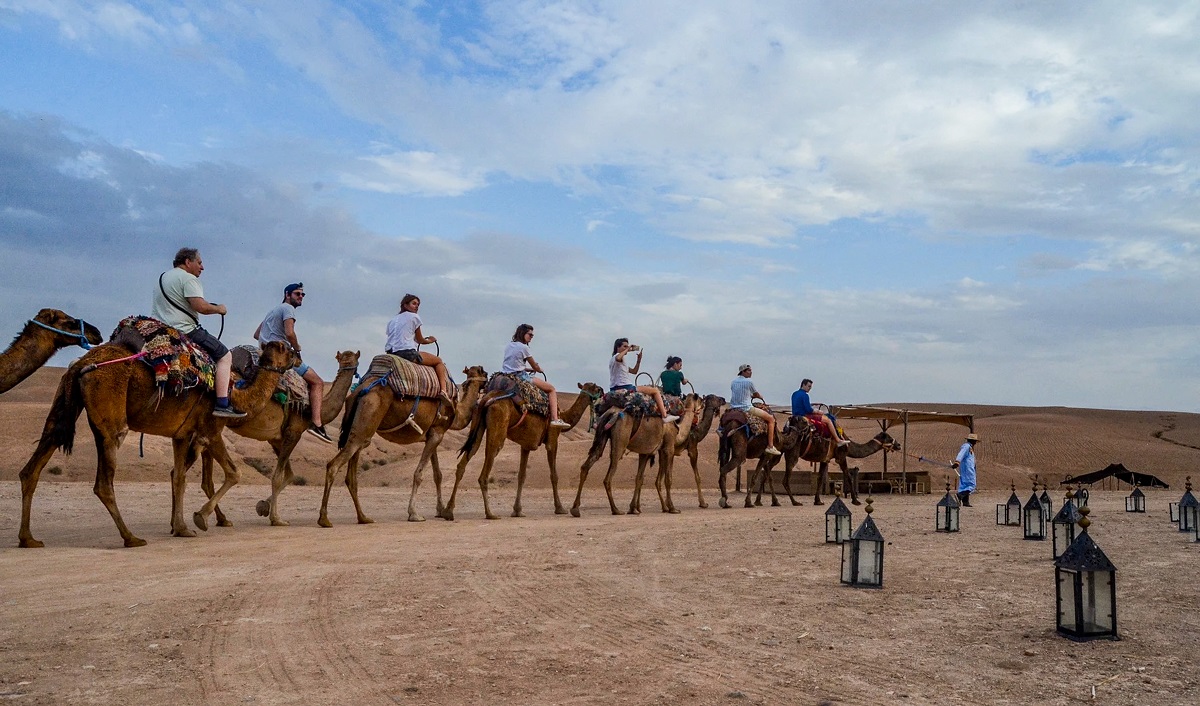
{"x": 1189, "y": 518}
{"x": 1064, "y": 534}
{"x": 830, "y": 528}
{"x": 1002, "y": 515}
{"x": 1035, "y": 525}
{"x": 870, "y": 562}
{"x": 1174, "y": 507}
{"x": 849, "y": 558}
{"x": 843, "y": 532}
{"x": 1068, "y": 619}
{"x": 952, "y": 516}
{"x": 1097, "y": 589}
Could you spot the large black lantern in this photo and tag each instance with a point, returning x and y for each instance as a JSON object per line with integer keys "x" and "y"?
{"x": 1086, "y": 589}
{"x": 947, "y": 514}
{"x": 862, "y": 555}
{"x": 1010, "y": 512}
{"x": 1136, "y": 501}
{"x": 1033, "y": 519}
{"x": 1189, "y": 510}
{"x": 1047, "y": 503}
{"x": 1062, "y": 528}
{"x": 837, "y": 522}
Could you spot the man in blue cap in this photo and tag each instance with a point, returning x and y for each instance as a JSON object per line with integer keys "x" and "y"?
{"x": 280, "y": 325}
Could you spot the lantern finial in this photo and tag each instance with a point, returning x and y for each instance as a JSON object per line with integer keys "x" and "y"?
{"x": 1084, "y": 511}
{"x": 1188, "y": 485}
{"x": 869, "y": 508}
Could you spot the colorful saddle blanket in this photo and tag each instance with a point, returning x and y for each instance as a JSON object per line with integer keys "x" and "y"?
{"x": 406, "y": 379}
{"x": 524, "y": 394}
{"x": 637, "y": 404}
{"x": 177, "y": 362}
{"x": 291, "y": 390}
{"x": 742, "y": 420}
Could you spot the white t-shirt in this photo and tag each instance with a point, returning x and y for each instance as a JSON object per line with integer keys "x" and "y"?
{"x": 272, "y": 325}
{"x": 179, "y": 284}
{"x": 515, "y": 354}
{"x": 401, "y": 332}
{"x": 619, "y": 373}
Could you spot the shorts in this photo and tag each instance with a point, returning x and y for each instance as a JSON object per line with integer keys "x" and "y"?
{"x": 524, "y": 376}
{"x": 302, "y": 369}
{"x": 409, "y": 354}
{"x": 209, "y": 343}
{"x": 614, "y": 388}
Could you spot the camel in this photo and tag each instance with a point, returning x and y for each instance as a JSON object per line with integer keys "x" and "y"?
{"x": 121, "y": 396}
{"x": 646, "y": 436}
{"x": 800, "y": 440}
{"x": 734, "y": 449}
{"x": 379, "y": 411}
{"x": 710, "y": 405}
{"x": 41, "y": 338}
{"x": 282, "y": 427}
{"x": 501, "y": 420}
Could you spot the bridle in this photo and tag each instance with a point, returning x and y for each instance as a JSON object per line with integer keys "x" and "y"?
{"x": 83, "y": 342}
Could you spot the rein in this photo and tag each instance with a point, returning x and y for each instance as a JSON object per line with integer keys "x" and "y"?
{"x": 83, "y": 342}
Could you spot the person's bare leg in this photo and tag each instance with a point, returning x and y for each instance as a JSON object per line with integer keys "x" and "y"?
{"x": 316, "y": 393}
{"x": 440, "y": 368}
{"x": 224, "y": 366}
{"x": 546, "y": 387}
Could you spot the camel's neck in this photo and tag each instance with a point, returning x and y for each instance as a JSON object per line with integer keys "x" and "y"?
{"x": 856, "y": 450}
{"x": 252, "y": 398}
{"x": 27, "y": 353}
{"x": 466, "y": 404}
{"x": 574, "y": 413}
{"x": 335, "y": 395}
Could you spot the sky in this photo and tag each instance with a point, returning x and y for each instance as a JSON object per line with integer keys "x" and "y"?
{"x": 984, "y": 203}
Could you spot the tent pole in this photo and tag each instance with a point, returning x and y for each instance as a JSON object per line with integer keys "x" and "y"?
{"x": 904, "y": 457}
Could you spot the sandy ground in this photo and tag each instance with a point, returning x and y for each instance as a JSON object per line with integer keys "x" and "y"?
{"x": 709, "y": 606}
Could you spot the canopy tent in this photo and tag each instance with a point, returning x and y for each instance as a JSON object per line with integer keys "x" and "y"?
{"x": 1120, "y": 472}
{"x": 888, "y": 417}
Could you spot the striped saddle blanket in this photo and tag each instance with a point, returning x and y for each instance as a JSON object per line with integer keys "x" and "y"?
{"x": 177, "y": 362}
{"x": 406, "y": 379}
{"x": 639, "y": 405}
{"x": 742, "y": 419}
{"x": 291, "y": 390}
{"x": 523, "y": 393}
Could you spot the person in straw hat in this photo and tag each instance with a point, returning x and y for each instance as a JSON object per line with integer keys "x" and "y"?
{"x": 964, "y": 466}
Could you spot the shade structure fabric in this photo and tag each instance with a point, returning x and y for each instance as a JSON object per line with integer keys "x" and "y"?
{"x": 1120, "y": 472}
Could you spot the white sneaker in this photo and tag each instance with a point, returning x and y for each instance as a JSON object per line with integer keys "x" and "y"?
{"x": 773, "y": 451}
{"x": 670, "y": 418}
{"x": 560, "y": 424}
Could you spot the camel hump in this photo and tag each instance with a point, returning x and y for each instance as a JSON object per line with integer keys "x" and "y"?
{"x": 733, "y": 416}
{"x": 245, "y": 362}
{"x": 129, "y": 339}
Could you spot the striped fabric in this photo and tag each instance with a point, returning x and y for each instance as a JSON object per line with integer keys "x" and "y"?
{"x": 406, "y": 379}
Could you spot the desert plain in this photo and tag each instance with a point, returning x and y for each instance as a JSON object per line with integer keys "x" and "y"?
{"x": 710, "y": 606}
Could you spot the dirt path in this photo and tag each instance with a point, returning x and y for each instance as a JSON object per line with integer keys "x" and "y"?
{"x": 711, "y": 606}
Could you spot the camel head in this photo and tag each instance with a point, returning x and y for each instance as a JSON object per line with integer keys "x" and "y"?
{"x": 347, "y": 360}
{"x": 886, "y": 441}
{"x": 475, "y": 373}
{"x": 69, "y": 327}
{"x": 278, "y": 357}
{"x": 714, "y": 402}
{"x": 592, "y": 390}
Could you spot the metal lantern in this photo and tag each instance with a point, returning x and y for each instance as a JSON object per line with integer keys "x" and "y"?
{"x": 837, "y": 522}
{"x": 862, "y": 555}
{"x": 1081, "y": 497}
{"x": 1136, "y": 501}
{"x": 1047, "y": 504}
{"x": 1062, "y": 528}
{"x": 947, "y": 513}
{"x": 1189, "y": 510}
{"x": 1010, "y": 512}
{"x": 1086, "y": 589}
{"x": 1033, "y": 519}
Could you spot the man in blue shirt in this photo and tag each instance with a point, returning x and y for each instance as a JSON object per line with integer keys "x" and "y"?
{"x": 742, "y": 392}
{"x": 802, "y": 407}
{"x": 964, "y": 463}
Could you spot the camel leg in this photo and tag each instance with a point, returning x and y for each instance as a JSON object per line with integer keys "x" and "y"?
{"x": 617, "y": 451}
{"x": 352, "y": 486}
{"x": 281, "y": 477}
{"x": 789, "y": 464}
{"x": 551, "y": 460}
{"x": 737, "y": 488}
{"x": 432, "y": 438}
{"x": 106, "y": 468}
{"x": 437, "y": 481}
{"x": 592, "y": 457}
{"x": 484, "y": 474}
{"x": 753, "y": 480}
{"x": 694, "y": 456}
{"x": 635, "y": 502}
{"x": 852, "y": 474}
{"x": 232, "y": 476}
{"x": 822, "y": 479}
{"x": 179, "y": 451}
{"x": 206, "y": 484}
{"x": 29, "y": 481}
{"x": 517, "y": 512}
{"x": 447, "y": 513}
{"x": 342, "y": 458}
{"x": 369, "y": 414}
{"x": 663, "y": 482}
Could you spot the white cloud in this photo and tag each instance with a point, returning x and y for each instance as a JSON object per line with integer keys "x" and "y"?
{"x": 414, "y": 173}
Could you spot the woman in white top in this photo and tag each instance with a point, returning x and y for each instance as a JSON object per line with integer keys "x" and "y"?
{"x": 622, "y": 377}
{"x": 403, "y": 335}
{"x": 519, "y": 361}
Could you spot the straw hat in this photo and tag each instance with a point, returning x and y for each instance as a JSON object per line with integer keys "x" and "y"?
{"x": 972, "y": 437}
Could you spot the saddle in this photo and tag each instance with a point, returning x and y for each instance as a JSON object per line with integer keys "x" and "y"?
{"x": 741, "y": 419}
{"x": 524, "y": 394}
{"x": 291, "y": 390}
{"x": 404, "y": 378}
{"x": 638, "y": 405}
{"x": 177, "y": 363}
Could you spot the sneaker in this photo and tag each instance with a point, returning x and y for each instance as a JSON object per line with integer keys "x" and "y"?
{"x": 320, "y": 433}
{"x": 670, "y": 418}
{"x": 560, "y": 424}
{"x": 228, "y": 412}
{"x": 773, "y": 451}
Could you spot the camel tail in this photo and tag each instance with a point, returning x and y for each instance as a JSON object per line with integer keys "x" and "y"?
{"x": 64, "y": 411}
{"x": 603, "y": 431}
{"x": 724, "y": 452}
{"x": 478, "y": 424}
